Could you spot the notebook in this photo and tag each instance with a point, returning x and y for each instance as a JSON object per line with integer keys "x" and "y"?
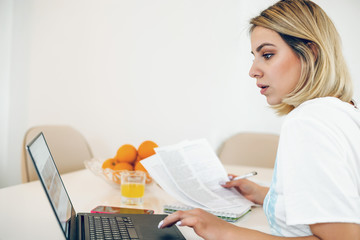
{"x": 229, "y": 215}
{"x": 90, "y": 225}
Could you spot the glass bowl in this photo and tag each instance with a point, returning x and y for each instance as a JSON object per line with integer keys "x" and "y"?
{"x": 109, "y": 175}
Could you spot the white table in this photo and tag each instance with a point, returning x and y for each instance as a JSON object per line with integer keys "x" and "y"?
{"x": 25, "y": 212}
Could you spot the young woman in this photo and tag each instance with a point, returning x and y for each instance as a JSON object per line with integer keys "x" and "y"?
{"x": 315, "y": 191}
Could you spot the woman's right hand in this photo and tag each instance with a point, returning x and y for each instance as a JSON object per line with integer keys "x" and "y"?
{"x": 206, "y": 225}
{"x": 250, "y": 190}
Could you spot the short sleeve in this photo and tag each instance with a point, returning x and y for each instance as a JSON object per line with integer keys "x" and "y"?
{"x": 315, "y": 174}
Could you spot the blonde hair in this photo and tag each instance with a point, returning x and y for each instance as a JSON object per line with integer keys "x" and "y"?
{"x": 307, "y": 29}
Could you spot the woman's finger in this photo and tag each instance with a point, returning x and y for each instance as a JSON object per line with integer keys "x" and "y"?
{"x": 172, "y": 219}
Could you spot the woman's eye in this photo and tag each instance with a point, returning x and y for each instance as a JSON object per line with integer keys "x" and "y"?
{"x": 267, "y": 55}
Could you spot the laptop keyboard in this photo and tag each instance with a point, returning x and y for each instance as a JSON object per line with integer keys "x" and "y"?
{"x": 106, "y": 228}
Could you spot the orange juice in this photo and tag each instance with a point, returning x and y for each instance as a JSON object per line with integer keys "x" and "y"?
{"x": 132, "y": 187}
{"x": 132, "y": 190}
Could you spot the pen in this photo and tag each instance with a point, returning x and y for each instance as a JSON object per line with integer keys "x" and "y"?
{"x": 245, "y": 176}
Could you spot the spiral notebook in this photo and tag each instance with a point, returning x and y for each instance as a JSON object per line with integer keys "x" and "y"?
{"x": 229, "y": 215}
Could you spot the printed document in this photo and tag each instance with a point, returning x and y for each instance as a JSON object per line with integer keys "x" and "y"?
{"x": 191, "y": 171}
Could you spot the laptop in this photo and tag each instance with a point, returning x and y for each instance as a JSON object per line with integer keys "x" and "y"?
{"x": 91, "y": 225}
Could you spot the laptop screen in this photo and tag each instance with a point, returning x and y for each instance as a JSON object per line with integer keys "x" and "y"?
{"x": 52, "y": 183}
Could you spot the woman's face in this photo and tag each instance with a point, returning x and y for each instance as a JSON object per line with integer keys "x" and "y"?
{"x": 276, "y": 67}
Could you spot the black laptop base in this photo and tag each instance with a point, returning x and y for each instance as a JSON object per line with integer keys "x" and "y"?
{"x": 125, "y": 226}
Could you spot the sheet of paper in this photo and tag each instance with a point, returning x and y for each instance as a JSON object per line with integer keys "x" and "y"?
{"x": 157, "y": 171}
{"x": 190, "y": 171}
{"x": 210, "y": 170}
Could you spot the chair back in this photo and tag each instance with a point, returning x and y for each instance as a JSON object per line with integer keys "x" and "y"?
{"x": 68, "y": 147}
{"x": 250, "y": 149}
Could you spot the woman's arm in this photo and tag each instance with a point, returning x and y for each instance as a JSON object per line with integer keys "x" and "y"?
{"x": 210, "y": 227}
{"x": 335, "y": 231}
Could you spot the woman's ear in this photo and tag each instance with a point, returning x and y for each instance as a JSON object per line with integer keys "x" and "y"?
{"x": 314, "y": 49}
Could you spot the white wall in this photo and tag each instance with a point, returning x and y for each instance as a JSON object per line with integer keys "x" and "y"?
{"x": 5, "y": 46}
{"x": 123, "y": 71}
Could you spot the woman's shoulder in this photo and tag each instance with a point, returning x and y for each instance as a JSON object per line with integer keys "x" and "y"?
{"x": 326, "y": 111}
{"x": 324, "y": 108}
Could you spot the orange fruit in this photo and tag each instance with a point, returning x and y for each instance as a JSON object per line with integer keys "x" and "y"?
{"x": 146, "y": 149}
{"x": 120, "y": 166}
{"x": 109, "y": 163}
{"x": 140, "y": 167}
{"x": 138, "y": 159}
{"x": 126, "y": 153}
{"x": 123, "y": 166}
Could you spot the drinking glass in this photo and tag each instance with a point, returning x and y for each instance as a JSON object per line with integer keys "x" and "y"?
{"x": 132, "y": 187}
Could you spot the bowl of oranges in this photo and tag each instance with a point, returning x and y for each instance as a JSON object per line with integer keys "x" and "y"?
{"x": 127, "y": 158}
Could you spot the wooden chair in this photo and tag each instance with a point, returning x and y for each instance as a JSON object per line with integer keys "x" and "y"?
{"x": 68, "y": 146}
{"x": 250, "y": 149}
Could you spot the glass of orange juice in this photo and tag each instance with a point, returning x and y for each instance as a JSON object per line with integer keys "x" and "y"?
{"x": 132, "y": 187}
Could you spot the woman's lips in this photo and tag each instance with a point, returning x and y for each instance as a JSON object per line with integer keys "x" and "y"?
{"x": 263, "y": 88}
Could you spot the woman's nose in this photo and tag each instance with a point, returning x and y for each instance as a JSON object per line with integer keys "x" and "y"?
{"x": 255, "y": 72}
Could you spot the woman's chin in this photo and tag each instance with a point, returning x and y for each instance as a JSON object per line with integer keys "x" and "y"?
{"x": 272, "y": 101}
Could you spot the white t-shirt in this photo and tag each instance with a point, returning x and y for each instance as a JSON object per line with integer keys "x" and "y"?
{"x": 317, "y": 172}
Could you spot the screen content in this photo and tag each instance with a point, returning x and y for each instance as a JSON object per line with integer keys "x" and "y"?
{"x": 52, "y": 182}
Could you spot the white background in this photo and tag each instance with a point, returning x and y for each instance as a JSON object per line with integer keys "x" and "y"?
{"x": 124, "y": 71}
